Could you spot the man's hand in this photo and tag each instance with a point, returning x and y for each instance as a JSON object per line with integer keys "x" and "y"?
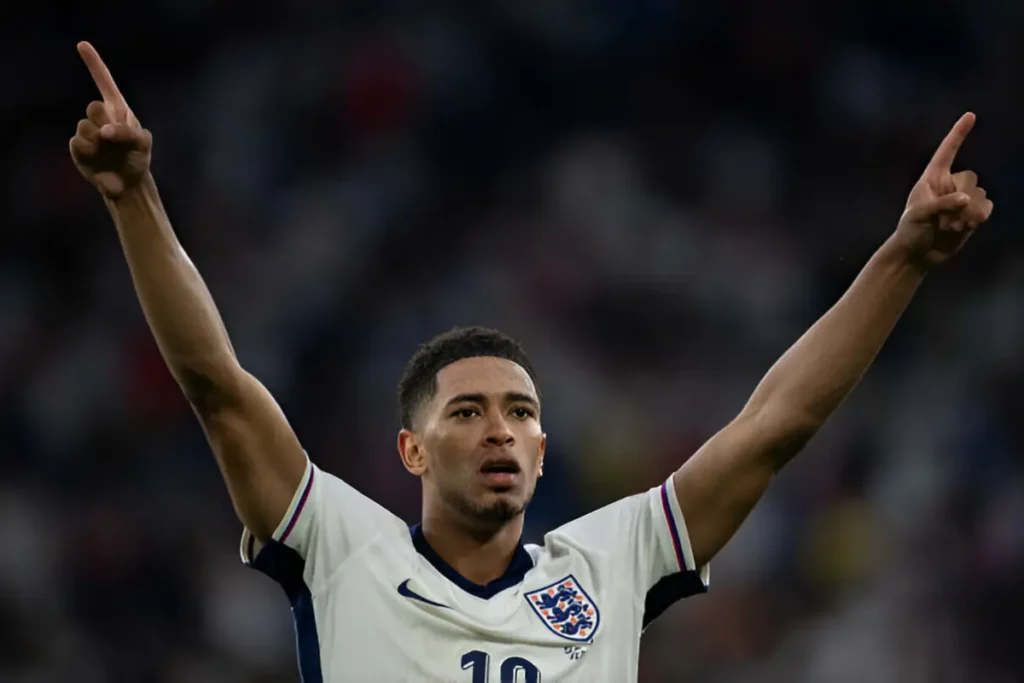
{"x": 944, "y": 208}
{"x": 722, "y": 482}
{"x": 110, "y": 148}
{"x": 258, "y": 452}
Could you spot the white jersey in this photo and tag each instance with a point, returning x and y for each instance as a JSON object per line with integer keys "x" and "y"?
{"x": 373, "y": 603}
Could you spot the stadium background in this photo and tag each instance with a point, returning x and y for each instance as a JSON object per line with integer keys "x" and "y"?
{"x": 657, "y": 198}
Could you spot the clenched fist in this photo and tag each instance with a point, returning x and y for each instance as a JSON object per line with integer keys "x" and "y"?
{"x": 110, "y": 148}
{"x": 944, "y": 208}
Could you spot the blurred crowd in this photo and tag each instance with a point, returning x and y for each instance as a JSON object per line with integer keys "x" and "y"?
{"x": 657, "y": 198}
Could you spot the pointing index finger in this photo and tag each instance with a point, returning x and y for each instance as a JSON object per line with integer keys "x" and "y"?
{"x": 101, "y": 76}
{"x": 942, "y": 161}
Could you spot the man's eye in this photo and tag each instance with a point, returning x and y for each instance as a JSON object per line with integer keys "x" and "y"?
{"x": 465, "y": 413}
{"x": 522, "y": 413}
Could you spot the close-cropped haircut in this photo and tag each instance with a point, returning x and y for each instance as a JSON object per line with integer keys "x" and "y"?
{"x": 419, "y": 380}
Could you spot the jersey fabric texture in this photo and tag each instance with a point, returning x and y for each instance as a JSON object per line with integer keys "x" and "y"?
{"x": 372, "y": 602}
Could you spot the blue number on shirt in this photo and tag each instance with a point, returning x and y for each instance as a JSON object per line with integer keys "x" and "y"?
{"x": 513, "y": 665}
{"x": 479, "y": 662}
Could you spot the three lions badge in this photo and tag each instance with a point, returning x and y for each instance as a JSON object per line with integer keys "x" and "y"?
{"x": 566, "y": 609}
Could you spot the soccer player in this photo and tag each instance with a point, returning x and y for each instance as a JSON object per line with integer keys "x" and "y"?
{"x": 459, "y": 597}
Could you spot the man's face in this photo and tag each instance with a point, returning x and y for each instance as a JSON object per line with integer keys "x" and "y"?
{"x": 478, "y": 444}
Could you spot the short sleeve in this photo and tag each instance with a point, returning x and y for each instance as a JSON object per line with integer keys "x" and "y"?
{"x": 644, "y": 538}
{"x": 326, "y": 523}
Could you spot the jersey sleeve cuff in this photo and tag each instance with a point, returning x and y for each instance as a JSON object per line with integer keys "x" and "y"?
{"x": 291, "y": 519}
{"x": 679, "y": 538}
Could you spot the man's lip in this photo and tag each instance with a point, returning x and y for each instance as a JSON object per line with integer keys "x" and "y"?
{"x": 507, "y": 464}
{"x": 501, "y": 479}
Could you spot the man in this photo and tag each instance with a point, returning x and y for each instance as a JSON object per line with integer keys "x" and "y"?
{"x": 458, "y": 597}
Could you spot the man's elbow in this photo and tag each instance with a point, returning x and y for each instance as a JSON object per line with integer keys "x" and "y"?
{"x": 784, "y": 433}
{"x": 210, "y": 390}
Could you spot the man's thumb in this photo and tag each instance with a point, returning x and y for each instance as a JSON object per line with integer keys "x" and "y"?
{"x": 947, "y": 203}
{"x": 110, "y": 184}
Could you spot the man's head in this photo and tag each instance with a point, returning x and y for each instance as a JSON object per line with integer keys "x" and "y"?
{"x": 471, "y": 425}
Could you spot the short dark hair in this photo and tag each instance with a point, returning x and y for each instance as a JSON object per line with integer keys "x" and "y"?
{"x": 419, "y": 380}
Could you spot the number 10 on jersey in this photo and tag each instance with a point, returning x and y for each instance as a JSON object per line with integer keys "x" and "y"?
{"x": 513, "y": 669}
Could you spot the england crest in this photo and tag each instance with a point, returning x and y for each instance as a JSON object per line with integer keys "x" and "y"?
{"x": 566, "y": 609}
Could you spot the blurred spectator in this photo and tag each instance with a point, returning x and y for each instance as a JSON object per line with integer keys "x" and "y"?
{"x": 656, "y": 198}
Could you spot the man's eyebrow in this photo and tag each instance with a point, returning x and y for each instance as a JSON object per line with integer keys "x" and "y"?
{"x": 466, "y": 398}
{"x": 520, "y": 397}
{"x": 509, "y": 397}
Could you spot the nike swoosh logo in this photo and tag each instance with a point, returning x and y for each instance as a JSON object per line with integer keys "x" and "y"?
{"x": 404, "y": 590}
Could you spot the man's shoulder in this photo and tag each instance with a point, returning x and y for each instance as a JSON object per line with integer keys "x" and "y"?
{"x": 597, "y": 527}
{"x": 339, "y": 497}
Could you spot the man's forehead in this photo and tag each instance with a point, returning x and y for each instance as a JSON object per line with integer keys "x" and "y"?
{"x": 484, "y": 374}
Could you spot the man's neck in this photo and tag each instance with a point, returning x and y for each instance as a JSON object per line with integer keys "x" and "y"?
{"x": 481, "y": 556}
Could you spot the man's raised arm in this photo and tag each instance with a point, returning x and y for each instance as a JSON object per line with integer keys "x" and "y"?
{"x": 721, "y": 483}
{"x": 258, "y": 453}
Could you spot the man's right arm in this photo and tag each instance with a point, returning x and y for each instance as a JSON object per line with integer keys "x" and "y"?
{"x": 258, "y": 453}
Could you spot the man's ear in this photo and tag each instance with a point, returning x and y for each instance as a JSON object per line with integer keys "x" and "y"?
{"x": 540, "y": 455}
{"x": 412, "y": 453}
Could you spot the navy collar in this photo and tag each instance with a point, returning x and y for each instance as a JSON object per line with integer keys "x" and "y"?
{"x": 517, "y": 568}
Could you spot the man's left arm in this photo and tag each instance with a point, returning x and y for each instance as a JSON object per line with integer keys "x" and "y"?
{"x": 720, "y": 484}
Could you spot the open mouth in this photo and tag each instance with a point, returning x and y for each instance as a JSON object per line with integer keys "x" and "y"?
{"x": 505, "y": 466}
{"x": 500, "y": 472}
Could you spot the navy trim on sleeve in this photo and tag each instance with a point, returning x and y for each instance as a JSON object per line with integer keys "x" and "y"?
{"x": 669, "y": 591}
{"x": 286, "y": 566}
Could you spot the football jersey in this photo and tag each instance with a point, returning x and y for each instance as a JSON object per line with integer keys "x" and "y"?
{"x": 372, "y": 602}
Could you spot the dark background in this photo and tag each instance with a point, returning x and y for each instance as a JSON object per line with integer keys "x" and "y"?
{"x": 656, "y": 197}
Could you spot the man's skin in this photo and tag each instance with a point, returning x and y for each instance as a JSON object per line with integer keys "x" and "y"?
{"x": 471, "y": 518}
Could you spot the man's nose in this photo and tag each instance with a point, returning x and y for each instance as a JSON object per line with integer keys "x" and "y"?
{"x": 499, "y": 434}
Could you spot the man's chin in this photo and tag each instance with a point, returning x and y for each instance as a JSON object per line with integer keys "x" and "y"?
{"x": 494, "y": 506}
{"x": 502, "y": 508}
{"x": 489, "y": 506}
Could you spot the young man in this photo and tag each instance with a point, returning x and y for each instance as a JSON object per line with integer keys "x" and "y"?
{"x": 458, "y": 597}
